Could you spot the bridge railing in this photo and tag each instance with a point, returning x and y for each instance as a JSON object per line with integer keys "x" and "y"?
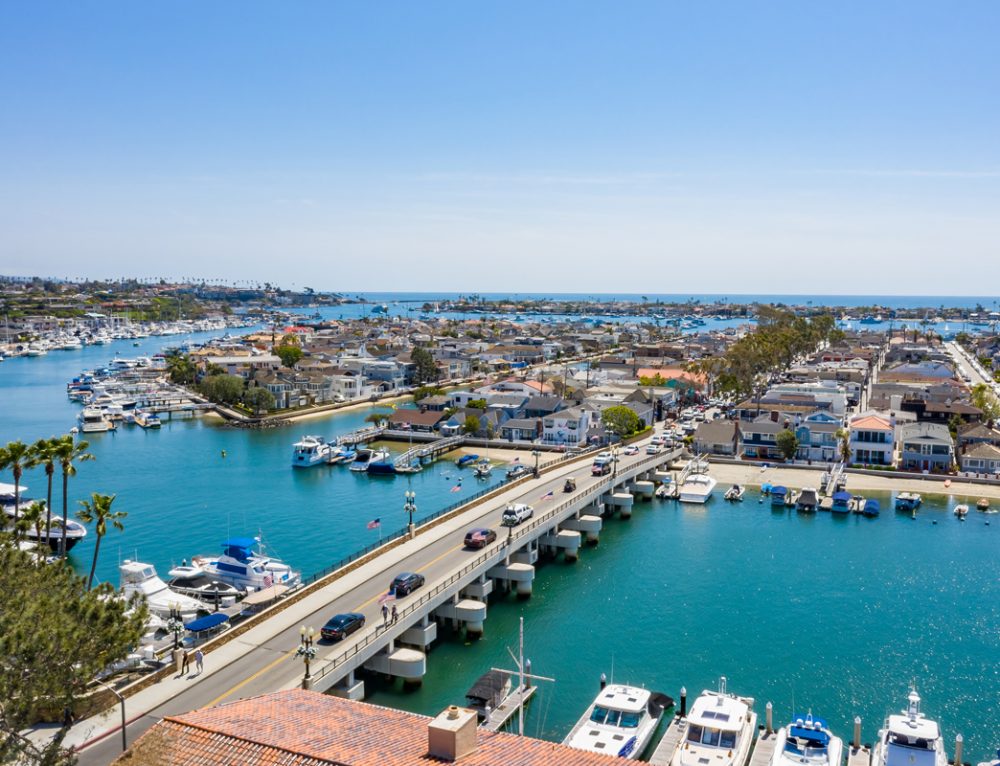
{"x": 333, "y": 663}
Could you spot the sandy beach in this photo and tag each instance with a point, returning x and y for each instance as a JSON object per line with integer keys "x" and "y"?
{"x": 753, "y": 476}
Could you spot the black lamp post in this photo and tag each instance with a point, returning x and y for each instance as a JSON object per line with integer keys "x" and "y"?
{"x": 175, "y": 625}
{"x": 306, "y": 651}
{"x": 410, "y": 507}
{"x": 536, "y": 453}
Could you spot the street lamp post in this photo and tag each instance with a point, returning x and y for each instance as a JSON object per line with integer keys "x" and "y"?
{"x": 121, "y": 700}
{"x": 614, "y": 462}
{"x": 410, "y": 507}
{"x": 175, "y": 625}
{"x": 535, "y": 453}
{"x": 307, "y": 652}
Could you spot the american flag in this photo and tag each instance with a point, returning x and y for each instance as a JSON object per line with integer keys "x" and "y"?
{"x": 547, "y": 495}
{"x": 374, "y": 523}
{"x": 457, "y": 488}
{"x": 390, "y": 596}
{"x": 268, "y": 580}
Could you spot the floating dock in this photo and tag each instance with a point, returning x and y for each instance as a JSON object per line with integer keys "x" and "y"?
{"x": 670, "y": 741}
{"x": 763, "y": 748}
{"x": 508, "y": 707}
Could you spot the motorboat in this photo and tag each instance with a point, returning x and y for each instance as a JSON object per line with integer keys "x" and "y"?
{"x": 483, "y": 469}
{"x": 93, "y": 420}
{"x": 841, "y": 502}
{"x": 381, "y": 464}
{"x": 195, "y": 582}
{"x": 870, "y": 507}
{"x": 667, "y": 491}
{"x": 517, "y": 471}
{"x": 735, "y": 493}
{"x": 310, "y": 451}
{"x": 909, "y": 738}
{"x": 961, "y": 511}
{"x": 136, "y": 577}
{"x": 778, "y": 496}
{"x": 75, "y": 531}
{"x": 364, "y": 456}
{"x": 145, "y": 419}
{"x": 697, "y": 484}
{"x": 621, "y": 721}
{"x": 807, "y": 500}
{"x": 465, "y": 460}
{"x": 720, "y": 730}
{"x": 983, "y": 504}
{"x": 247, "y": 569}
{"x": 341, "y": 454}
{"x": 807, "y": 741}
{"x": 908, "y": 501}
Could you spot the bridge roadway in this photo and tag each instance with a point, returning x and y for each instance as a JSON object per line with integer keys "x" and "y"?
{"x": 264, "y": 658}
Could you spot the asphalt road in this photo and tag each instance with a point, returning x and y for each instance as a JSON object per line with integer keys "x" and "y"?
{"x": 274, "y": 664}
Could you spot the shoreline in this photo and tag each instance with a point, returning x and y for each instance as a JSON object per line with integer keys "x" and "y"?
{"x": 752, "y": 475}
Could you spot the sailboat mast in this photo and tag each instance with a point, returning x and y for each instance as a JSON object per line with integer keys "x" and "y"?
{"x": 520, "y": 670}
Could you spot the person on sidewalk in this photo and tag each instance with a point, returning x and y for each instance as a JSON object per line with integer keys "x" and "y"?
{"x": 395, "y": 614}
{"x": 186, "y": 662}
{"x": 199, "y": 660}
{"x": 385, "y": 616}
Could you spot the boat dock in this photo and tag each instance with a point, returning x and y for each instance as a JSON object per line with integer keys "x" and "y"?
{"x": 671, "y": 740}
{"x": 508, "y": 707}
{"x": 763, "y": 748}
{"x": 858, "y": 756}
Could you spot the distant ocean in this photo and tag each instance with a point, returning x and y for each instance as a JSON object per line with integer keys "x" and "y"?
{"x": 885, "y": 301}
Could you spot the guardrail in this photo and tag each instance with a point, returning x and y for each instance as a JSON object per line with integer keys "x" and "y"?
{"x": 486, "y": 557}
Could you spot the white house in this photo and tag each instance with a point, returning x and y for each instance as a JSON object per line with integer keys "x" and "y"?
{"x": 567, "y": 426}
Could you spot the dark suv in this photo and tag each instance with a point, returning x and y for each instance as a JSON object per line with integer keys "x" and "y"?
{"x": 406, "y": 583}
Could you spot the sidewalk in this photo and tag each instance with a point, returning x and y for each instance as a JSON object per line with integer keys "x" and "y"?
{"x": 97, "y": 727}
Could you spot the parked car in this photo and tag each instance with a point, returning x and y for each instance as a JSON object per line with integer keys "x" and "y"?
{"x": 516, "y": 513}
{"x": 631, "y": 449}
{"x": 340, "y": 626}
{"x": 570, "y": 485}
{"x": 406, "y": 583}
{"x": 479, "y": 537}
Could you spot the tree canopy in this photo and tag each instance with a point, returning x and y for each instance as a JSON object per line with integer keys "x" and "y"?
{"x": 788, "y": 443}
{"x": 224, "y": 389}
{"x": 471, "y": 425}
{"x": 621, "y": 421}
{"x": 426, "y": 370}
{"x": 55, "y": 636}
{"x": 289, "y": 354}
{"x": 258, "y": 399}
{"x": 983, "y": 398}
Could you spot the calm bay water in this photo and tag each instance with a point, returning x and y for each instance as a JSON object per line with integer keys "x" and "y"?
{"x": 833, "y": 614}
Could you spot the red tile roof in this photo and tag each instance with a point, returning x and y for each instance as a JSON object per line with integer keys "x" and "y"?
{"x": 303, "y": 728}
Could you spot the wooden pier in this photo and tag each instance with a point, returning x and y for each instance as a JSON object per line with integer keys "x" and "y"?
{"x": 763, "y": 749}
{"x": 670, "y": 741}
{"x": 858, "y": 756}
{"x": 508, "y": 707}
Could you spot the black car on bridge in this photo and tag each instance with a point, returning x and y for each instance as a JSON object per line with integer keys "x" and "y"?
{"x": 340, "y": 626}
{"x": 406, "y": 583}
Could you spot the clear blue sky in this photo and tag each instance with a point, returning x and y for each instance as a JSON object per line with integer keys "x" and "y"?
{"x": 796, "y": 147}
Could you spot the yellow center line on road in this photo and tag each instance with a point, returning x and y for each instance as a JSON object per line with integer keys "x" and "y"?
{"x": 248, "y": 679}
{"x": 425, "y": 566}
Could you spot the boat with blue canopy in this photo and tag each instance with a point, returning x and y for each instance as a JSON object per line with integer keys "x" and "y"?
{"x": 841, "y": 502}
{"x": 807, "y": 740}
{"x": 778, "y": 495}
{"x": 908, "y": 501}
{"x": 871, "y": 507}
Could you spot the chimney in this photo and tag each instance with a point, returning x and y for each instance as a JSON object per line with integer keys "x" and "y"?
{"x": 896, "y": 401}
{"x": 452, "y": 735}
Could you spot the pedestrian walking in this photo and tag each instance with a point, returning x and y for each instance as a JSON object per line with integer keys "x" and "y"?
{"x": 385, "y": 616}
{"x": 395, "y": 614}
{"x": 186, "y": 662}
{"x": 199, "y": 660}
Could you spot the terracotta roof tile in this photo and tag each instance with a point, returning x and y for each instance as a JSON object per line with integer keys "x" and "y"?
{"x": 302, "y": 728}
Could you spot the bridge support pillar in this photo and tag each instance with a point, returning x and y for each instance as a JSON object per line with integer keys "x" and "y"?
{"x": 521, "y": 575}
{"x": 588, "y": 525}
{"x": 469, "y": 612}
{"x": 349, "y": 688}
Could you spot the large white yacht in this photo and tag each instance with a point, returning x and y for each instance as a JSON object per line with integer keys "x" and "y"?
{"x": 247, "y": 569}
{"x": 93, "y": 420}
{"x": 310, "y": 451}
{"x": 75, "y": 531}
{"x": 910, "y": 739}
{"x": 807, "y": 741}
{"x": 719, "y": 730}
{"x": 621, "y": 722}
{"x": 697, "y": 486}
{"x": 137, "y": 577}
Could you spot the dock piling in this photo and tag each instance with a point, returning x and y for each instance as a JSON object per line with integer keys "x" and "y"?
{"x": 604, "y": 680}
{"x": 959, "y": 740}
{"x": 684, "y": 702}
{"x": 856, "y": 741}
{"x": 769, "y": 717}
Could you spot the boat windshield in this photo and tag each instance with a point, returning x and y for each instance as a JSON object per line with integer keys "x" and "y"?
{"x": 712, "y": 737}
{"x": 805, "y": 749}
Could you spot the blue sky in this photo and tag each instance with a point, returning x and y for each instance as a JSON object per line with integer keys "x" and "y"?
{"x": 499, "y": 146}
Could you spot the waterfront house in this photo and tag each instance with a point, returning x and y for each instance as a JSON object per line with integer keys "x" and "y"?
{"x": 759, "y": 438}
{"x": 244, "y": 366}
{"x": 717, "y": 437}
{"x": 567, "y": 426}
{"x": 872, "y": 439}
{"x": 305, "y": 728}
{"x": 415, "y": 420}
{"x": 977, "y": 433}
{"x": 817, "y": 435}
{"x": 925, "y": 447}
{"x": 980, "y": 458}
{"x": 521, "y": 429}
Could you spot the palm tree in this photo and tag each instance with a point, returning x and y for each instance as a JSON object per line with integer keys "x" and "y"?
{"x": 44, "y": 454}
{"x": 98, "y": 510}
{"x": 16, "y": 456}
{"x": 32, "y": 518}
{"x": 67, "y": 452}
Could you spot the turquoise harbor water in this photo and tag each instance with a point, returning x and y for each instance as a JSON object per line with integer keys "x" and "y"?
{"x": 833, "y": 614}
